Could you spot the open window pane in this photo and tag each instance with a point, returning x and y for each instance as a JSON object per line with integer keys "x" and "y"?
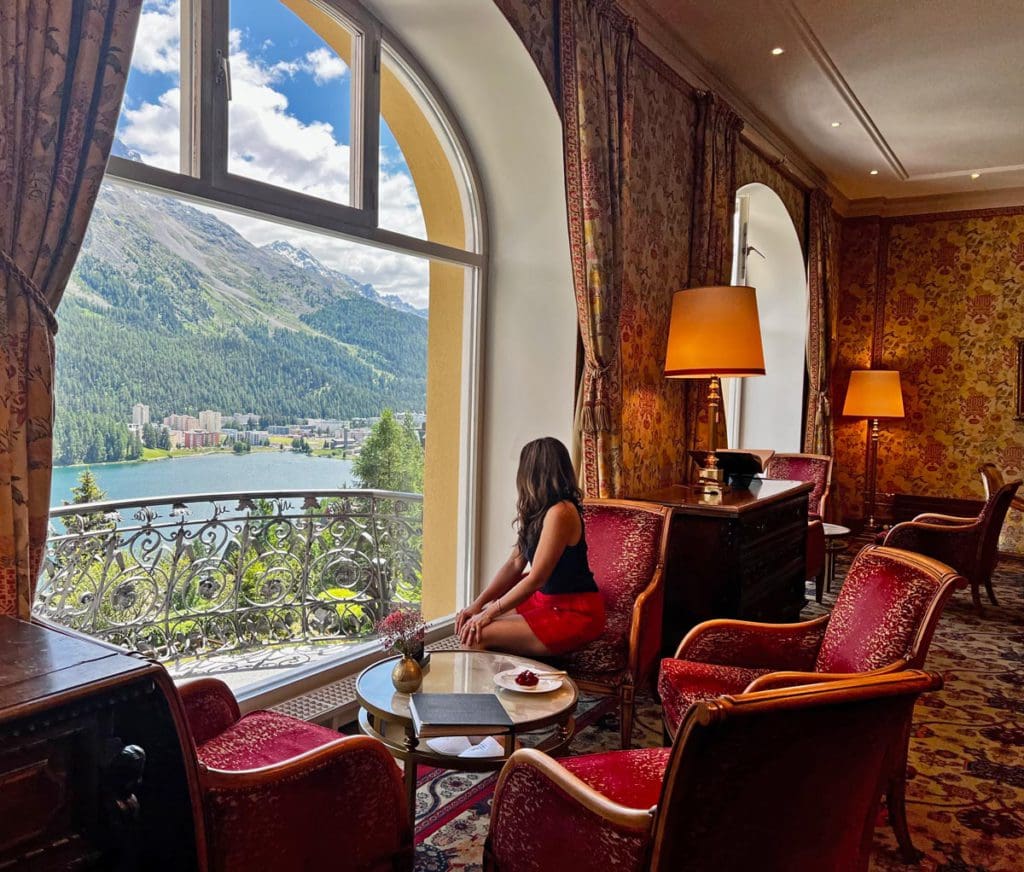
{"x": 149, "y": 129}
{"x": 290, "y": 115}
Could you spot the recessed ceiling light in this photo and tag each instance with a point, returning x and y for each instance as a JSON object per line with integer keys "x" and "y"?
{"x": 778, "y": 50}
{"x": 874, "y": 172}
{"x": 837, "y": 123}
{"x": 975, "y": 175}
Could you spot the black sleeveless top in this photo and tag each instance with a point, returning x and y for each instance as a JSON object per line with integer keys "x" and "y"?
{"x": 572, "y": 572}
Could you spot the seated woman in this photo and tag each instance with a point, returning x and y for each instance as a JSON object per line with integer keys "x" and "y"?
{"x": 555, "y": 606}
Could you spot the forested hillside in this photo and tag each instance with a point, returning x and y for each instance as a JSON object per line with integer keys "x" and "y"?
{"x": 173, "y": 308}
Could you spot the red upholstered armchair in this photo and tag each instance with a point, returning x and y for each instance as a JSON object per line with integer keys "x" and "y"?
{"x": 817, "y": 469}
{"x": 969, "y": 545}
{"x": 883, "y": 620}
{"x": 283, "y": 794}
{"x": 626, "y": 548}
{"x": 733, "y": 793}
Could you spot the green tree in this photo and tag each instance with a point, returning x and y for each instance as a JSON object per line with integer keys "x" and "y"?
{"x": 391, "y": 457}
{"x": 87, "y": 490}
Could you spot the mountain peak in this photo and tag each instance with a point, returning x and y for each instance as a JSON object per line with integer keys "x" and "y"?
{"x": 298, "y": 256}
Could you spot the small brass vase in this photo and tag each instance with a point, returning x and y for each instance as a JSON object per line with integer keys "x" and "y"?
{"x": 407, "y": 676}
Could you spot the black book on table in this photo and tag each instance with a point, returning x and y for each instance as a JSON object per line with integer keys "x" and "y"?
{"x": 458, "y": 714}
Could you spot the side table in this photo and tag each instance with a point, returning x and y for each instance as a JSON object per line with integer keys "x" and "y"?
{"x": 384, "y": 712}
{"x": 836, "y": 537}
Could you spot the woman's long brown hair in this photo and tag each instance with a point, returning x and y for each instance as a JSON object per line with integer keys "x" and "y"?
{"x": 545, "y": 477}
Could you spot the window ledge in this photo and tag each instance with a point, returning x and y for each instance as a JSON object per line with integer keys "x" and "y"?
{"x": 325, "y": 692}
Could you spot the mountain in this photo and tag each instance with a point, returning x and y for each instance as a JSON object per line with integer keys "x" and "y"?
{"x": 172, "y": 307}
{"x": 304, "y": 260}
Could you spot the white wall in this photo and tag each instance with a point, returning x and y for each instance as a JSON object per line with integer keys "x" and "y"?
{"x": 498, "y": 97}
{"x": 771, "y": 413}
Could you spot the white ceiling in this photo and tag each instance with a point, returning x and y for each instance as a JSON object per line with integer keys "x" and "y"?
{"x": 927, "y": 91}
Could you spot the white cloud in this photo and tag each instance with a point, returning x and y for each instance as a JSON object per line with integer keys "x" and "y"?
{"x": 154, "y": 131}
{"x": 325, "y": 65}
{"x": 158, "y": 41}
{"x": 268, "y": 143}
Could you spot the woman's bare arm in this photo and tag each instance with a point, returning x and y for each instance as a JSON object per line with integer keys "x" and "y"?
{"x": 507, "y": 575}
{"x": 562, "y": 526}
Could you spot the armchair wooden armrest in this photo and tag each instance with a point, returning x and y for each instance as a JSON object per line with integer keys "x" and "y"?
{"x": 302, "y": 766}
{"x": 774, "y": 680}
{"x": 954, "y": 545}
{"x": 645, "y": 629}
{"x": 935, "y": 518}
{"x": 210, "y": 707}
{"x": 754, "y": 645}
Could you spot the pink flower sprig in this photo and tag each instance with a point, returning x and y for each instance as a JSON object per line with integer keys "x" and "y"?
{"x": 402, "y": 631}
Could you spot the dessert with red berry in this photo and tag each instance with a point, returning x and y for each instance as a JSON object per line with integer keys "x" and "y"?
{"x": 526, "y": 678}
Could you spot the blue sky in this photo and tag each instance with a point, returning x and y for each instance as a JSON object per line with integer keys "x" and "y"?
{"x": 289, "y": 125}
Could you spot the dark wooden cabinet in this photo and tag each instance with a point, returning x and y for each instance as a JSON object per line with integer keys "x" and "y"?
{"x": 92, "y": 774}
{"x": 741, "y": 558}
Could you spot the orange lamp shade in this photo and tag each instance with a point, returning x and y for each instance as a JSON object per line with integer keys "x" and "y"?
{"x": 714, "y": 331}
{"x": 874, "y": 393}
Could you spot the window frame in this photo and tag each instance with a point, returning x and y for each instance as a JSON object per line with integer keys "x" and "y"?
{"x": 204, "y": 175}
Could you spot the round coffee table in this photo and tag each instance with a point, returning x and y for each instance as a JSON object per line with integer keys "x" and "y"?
{"x": 384, "y": 712}
{"x": 835, "y": 543}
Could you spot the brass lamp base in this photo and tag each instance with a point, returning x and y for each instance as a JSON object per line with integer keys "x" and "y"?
{"x": 711, "y": 476}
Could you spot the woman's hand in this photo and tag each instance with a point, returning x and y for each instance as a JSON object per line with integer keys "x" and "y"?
{"x": 469, "y": 634}
{"x": 463, "y": 616}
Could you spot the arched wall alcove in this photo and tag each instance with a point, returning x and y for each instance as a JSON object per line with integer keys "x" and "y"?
{"x": 513, "y": 131}
{"x": 767, "y": 411}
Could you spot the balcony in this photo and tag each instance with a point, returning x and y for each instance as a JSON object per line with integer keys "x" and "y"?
{"x": 241, "y": 585}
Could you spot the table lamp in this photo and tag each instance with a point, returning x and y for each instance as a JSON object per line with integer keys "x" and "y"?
{"x": 873, "y": 394}
{"x": 714, "y": 332}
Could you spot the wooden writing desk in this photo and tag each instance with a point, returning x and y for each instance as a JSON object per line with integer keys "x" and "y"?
{"x": 743, "y": 558}
{"x": 72, "y": 795}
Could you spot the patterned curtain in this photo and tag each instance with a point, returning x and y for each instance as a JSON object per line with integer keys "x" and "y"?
{"x": 823, "y": 290}
{"x": 596, "y": 48}
{"x": 62, "y": 74}
{"x": 716, "y": 139}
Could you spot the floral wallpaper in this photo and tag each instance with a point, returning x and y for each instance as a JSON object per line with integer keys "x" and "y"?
{"x": 752, "y": 166}
{"x": 940, "y": 298}
{"x": 658, "y": 216}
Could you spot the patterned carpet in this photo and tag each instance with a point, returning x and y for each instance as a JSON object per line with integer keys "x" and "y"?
{"x": 966, "y": 789}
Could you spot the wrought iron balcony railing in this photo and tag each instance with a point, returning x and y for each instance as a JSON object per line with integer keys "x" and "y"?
{"x": 184, "y": 577}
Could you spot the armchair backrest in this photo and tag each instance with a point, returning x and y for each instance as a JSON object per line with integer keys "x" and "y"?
{"x": 991, "y": 519}
{"x": 732, "y": 799}
{"x": 626, "y": 550}
{"x": 815, "y": 468}
{"x": 887, "y": 610}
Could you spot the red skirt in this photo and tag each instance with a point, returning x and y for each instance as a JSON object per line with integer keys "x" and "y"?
{"x": 564, "y": 621}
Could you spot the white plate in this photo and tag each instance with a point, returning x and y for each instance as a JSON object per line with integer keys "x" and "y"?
{"x": 507, "y": 680}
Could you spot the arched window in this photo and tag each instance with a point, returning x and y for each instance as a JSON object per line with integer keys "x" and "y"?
{"x": 767, "y": 412}
{"x": 290, "y": 224}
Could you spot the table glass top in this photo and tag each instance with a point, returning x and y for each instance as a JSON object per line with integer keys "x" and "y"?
{"x": 836, "y": 530}
{"x": 465, "y": 672}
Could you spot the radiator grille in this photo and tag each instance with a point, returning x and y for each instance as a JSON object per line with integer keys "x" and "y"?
{"x": 334, "y": 705}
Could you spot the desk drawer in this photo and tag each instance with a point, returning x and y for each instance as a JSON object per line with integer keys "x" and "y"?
{"x": 49, "y": 797}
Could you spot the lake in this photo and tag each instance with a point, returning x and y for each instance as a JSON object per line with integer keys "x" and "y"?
{"x": 207, "y": 473}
